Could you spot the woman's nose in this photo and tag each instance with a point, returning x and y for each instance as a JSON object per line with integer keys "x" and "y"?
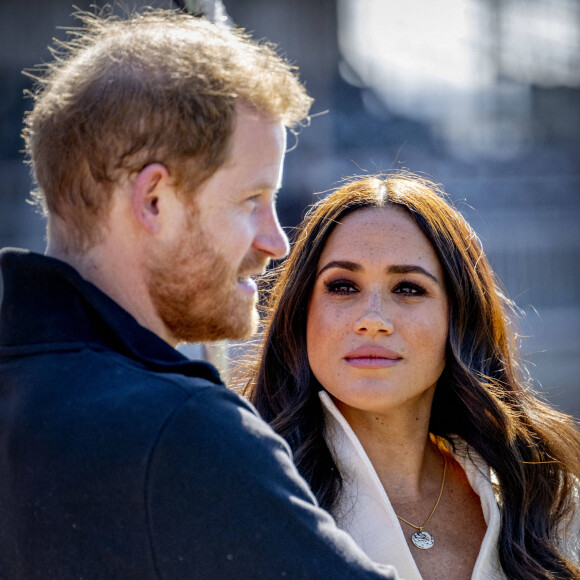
{"x": 374, "y": 320}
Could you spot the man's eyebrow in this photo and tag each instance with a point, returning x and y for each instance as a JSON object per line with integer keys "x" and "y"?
{"x": 395, "y": 269}
{"x": 263, "y": 188}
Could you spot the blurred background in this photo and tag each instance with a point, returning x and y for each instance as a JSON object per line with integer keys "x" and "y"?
{"x": 482, "y": 96}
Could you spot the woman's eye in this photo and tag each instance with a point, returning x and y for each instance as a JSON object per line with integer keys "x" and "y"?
{"x": 409, "y": 289}
{"x": 340, "y": 287}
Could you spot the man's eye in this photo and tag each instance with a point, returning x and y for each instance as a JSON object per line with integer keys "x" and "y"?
{"x": 340, "y": 287}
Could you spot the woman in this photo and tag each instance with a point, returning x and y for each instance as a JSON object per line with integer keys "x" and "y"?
{"x": 389, "y": 366}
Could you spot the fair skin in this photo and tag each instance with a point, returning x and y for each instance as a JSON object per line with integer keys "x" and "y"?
{"x": 376, "y": 338}
{"x": 185, "y": 271}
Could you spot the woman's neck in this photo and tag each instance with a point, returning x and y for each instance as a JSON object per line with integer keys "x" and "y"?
{"x": 401, "y": 450}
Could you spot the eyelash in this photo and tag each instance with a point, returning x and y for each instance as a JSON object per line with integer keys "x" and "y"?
{"x": 334, "y": 287}
{"x": 339, "y": 287}
{"x": 416, "y": 289}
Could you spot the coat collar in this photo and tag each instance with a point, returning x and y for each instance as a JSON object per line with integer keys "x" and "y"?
{"x": 365, "y": 511}
{"x": 48, "y": 306}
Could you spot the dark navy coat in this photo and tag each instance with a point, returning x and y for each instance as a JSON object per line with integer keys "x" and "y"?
{"x": 121, "y": 458}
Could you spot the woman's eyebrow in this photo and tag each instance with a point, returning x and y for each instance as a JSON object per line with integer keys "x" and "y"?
{"x": 410, "y": 269}
{"x": 395, "y": 269}
{"x": 343, "y": 264}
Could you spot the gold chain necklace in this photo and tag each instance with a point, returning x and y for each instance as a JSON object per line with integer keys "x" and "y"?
{"x": 422, "y": 539}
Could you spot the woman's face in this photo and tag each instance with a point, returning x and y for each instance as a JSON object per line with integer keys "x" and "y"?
{"x": 378, "y": 314}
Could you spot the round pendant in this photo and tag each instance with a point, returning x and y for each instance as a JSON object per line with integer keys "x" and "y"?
{"x": 423, "y": 540}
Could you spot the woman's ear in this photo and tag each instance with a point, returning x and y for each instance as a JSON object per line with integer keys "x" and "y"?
{"x": 148, "y": 191}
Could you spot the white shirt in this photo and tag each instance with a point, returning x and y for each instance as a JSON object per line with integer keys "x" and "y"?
{"x": 363, "y": 508}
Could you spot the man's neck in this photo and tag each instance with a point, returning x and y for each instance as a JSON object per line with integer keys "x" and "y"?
{"x": 116, "y": 272}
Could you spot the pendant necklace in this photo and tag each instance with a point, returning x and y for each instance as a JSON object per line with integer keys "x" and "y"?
{"x": 422, "y": 539}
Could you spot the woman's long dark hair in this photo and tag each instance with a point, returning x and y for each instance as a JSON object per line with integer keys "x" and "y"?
{"x": 482, "y": 396}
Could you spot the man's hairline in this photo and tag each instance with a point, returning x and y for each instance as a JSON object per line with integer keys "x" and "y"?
{"x": 240, "y": 103}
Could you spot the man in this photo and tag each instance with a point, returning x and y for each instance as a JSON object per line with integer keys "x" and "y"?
{"x": 157, "y": 143}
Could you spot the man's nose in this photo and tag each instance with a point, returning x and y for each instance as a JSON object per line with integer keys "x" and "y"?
{"x": 271, "y": 239}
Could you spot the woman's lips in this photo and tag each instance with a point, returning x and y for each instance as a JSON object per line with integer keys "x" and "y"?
{"x": 372, "y": 357}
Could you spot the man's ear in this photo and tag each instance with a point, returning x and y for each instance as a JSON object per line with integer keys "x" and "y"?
{"x": 148, "y": 190}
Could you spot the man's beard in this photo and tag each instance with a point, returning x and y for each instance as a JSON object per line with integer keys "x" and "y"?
{"x": 196, "y": 294}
